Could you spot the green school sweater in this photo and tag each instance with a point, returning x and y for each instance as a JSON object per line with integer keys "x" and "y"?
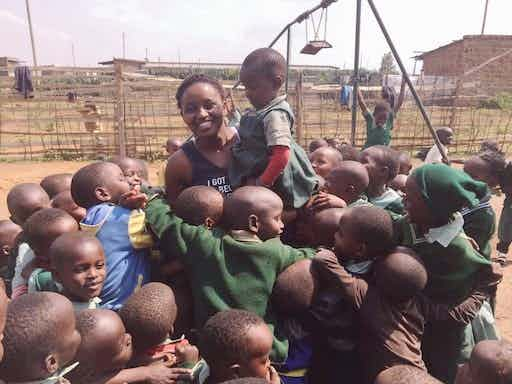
{"x": 452, "y": 270}
{"x": 225, "y": 272}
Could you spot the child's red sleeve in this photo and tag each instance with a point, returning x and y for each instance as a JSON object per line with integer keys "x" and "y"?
{"x": 278, "y": 160}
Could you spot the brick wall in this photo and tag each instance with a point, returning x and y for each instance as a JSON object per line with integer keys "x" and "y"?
{"x": 445, "y": 61}
{"x": 465, "y": 54}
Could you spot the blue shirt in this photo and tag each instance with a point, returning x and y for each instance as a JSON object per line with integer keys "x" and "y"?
{"x": 126, "y": 243}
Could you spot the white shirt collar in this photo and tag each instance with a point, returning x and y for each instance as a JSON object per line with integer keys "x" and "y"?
{"x": 446, "y": 233}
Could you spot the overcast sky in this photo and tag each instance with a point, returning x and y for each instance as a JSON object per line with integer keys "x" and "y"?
{"x": 226, "y": 30}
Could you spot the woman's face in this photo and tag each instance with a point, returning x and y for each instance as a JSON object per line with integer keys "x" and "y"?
{"x": 202, "y": 109}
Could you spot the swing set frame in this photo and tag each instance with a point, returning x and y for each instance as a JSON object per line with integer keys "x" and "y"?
{"x": 355, "y": 78}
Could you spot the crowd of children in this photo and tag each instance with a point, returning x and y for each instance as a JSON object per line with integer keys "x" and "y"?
{"x": 335, "y": 266}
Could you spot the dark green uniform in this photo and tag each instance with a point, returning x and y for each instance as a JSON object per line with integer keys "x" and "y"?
{"x": 226, "y": 272}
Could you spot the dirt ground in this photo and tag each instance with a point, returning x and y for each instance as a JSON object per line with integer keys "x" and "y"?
{"x": 14, "y": 173}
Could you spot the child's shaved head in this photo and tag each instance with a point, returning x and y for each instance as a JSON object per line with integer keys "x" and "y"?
{"x": 200, "y": 205}
{"x": 348, "y": 181}
{"x": 405, "y": 163}
{"x": 44, "y": 226}
{"x": 57, "y": 183}
{"x": 25, "y": 199}
{"x": 231, "y": 340}
{"x": 98, "y": 183}
{"x": 149, "y": 315}
{"x": 350, "y": 153}
{"x": 324, "y": 159}
{"x": 317, "y": 143}
{"x": 381, "y": 162}
{"x": 490, "y": 362}
{"x": 266, "y": 62}
{"x": 40, "y": 337}
{"x": 295, "y": 288}
{"x": 254, "y": 209}
{"x": 105, "y": 346}
{"x": 364, "y": 232}
{"x": 65, "y": 201}
{"x": 318, "y": 228}
{"x": 405, "y": 374}
{"x": 401, "y": 274}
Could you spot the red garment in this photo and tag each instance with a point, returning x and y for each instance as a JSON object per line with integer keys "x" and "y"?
{"x": 165, "y": 349}
{"x": 278, "y": 161}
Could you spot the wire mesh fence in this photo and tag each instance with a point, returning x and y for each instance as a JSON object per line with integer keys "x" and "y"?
{"x": 76, "y": 113}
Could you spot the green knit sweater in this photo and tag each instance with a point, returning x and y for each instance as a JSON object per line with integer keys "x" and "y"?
{"x": 226, "y": 272}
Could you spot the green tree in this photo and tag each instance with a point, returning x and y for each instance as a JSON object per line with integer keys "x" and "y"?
{"x": 387, "y": 65}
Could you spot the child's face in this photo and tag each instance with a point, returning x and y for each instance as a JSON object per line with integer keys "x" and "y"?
{"x": 446, "y": 137}
{"x": 270, "y": 223}
{"x": 415, "y": 205}
{"x": 371, "y": 159}
{"x": 322, "y": 163}
{"x": 117, "y": 185}
{"x": 380, "y": 117}
{"x": 259, "y": 344}
{"x": 83, "y": 274}
{"x": 346, "y": 246}
{"x": 202, "y": 109}
{"x": 8, "y": 236}
{"x": 259, "y": 89}
{"x": 337, "y": 186}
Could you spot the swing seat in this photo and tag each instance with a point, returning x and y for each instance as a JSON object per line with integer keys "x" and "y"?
{"x": 314, "y": 46}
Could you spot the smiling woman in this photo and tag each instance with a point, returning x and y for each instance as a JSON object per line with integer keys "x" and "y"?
{"x": 204, "y": 159}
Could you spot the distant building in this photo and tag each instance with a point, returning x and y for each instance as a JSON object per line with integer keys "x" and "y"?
{"x": 7, "y": 65}
{"x": 459, "y": 56}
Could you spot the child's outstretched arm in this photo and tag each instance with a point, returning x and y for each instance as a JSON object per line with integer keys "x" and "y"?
{"x": 152, "y": 374}
{"x": 362, "y": 104}
{"x": 277, "y": 128}
{"x": 175, "y": 236}
{"x": 349, "y": 287}
{"x": 401, "y": 97}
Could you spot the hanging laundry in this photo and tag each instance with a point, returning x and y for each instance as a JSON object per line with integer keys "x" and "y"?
{"x": 23, "y": 81}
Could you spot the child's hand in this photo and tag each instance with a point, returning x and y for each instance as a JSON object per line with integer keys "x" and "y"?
{"x": 187, "y": 354}
{"x": 273, "y": 376}
{"x": 133, "y": 199}
{"x": 325, "y": 200}
{"x": 161, "y": 374}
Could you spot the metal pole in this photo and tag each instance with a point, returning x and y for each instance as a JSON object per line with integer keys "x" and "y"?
{"x": 288, "y": 47}
{"x": 355, "y": 80}
{"x": 32, "y": 42}
{"x": 408, "y": 80}
{"x": 485, "y": 16}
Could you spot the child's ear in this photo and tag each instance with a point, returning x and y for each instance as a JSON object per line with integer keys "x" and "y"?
{"x": 51, "y": 364}
{"x": 278, "y": 81}
{"x": 361, "y": 252}
{"x": 56, "y": 276}
{"x": 209, "y": 222}
{"x": 102, "y": 194}
{"x": 254, "y": 223}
